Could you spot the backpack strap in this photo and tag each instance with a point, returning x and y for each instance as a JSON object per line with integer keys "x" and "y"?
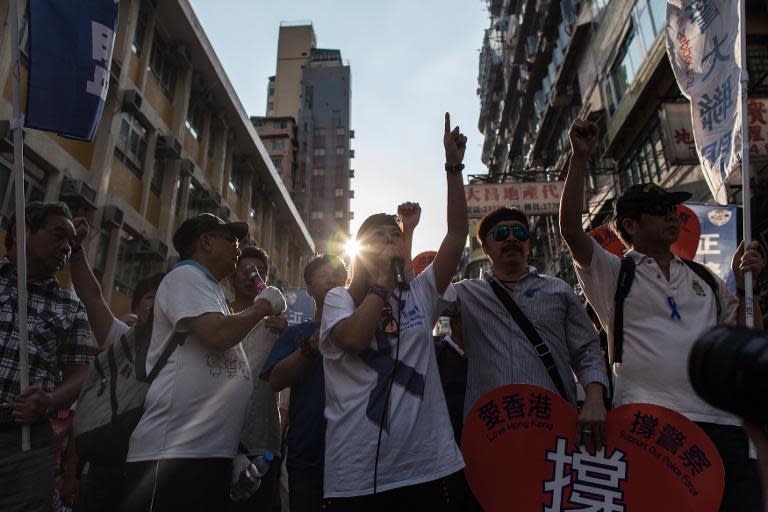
{"x": 623, "y": 285}
{"x": 177, "y": 339}
{"x": 704, "y": 273}
{"x": 539, "y": 346}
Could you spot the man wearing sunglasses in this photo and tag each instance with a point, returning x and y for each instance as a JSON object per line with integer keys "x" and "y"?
{"x": 179, "y": 456}
{"x": 499, "y": 348}
{"x": 668, "y": 306}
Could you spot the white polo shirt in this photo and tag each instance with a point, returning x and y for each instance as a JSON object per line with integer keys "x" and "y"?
{"x": 658, "y": 337}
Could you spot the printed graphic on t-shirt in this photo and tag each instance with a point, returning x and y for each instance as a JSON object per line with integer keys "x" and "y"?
{"x": 227, "y": 364}
{"x": 382, "y": 361}
{"x": 410, "y": 316}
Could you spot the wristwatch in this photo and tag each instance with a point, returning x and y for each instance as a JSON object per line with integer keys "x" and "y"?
{"x": 454, "y": 168}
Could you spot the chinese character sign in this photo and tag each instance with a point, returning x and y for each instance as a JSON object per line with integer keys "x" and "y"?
{"x": 719, "y": 239}
{"x": 534, "y": 198}
{"x": 301, "y": 307}
{"x": 519, "y": 448}
{"x": 702, "y": 38}
{"x": 70, "y": 52}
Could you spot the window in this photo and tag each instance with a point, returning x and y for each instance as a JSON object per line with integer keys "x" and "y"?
{"x": 319, "y": 132}
{"x": 158, "y": 174}
{"x": 211, "y": 144}
{"x": 318, "y": 151}
{"x": 339, "y": 192}
{"x": 317, "y": 215}
{"x": 646, "y": 163}
{"x": 35, "y": 182}
{"x": 318, "y": 193}
{"x": 336, "y": 118}
{"x": 281, "y": 124}
{"x": 194, "y": 121}
{"x": 132, "y": 266}
{"x": 131, "y": 147}
{"x": 340, "y": 131}
{"x": 100, "y": 263}
{"x": 340, "y": 150}
{"x": 318, "y": 171}
{"x": 277, "y": 144}
{"x": 278, "y": 163}
{"x": 339, "y": 214}
{"x": 162, "y": 66}
{"x": 141, "y": 29}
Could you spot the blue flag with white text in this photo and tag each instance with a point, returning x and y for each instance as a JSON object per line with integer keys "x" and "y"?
{"x": 70, "y": 50}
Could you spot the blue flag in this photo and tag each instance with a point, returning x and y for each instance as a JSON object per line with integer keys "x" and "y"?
{"x": 70, "y": 50}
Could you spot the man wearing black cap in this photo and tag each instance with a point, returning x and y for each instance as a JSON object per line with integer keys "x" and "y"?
{"x": 180, "y": 452}
{"x": 670, "y": 303}
{"x": 500, "y": 351}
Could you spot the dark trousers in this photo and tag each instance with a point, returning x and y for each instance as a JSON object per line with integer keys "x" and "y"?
{"x": 443, "y": 494}
{"x": 177, "y": 484}
{"x": 305, "y": 489}
{"x": 266, "y": 497}
{"x": 101, "y": 488}
{"x": 743, "y": 492}
{"x": 26, "y": 478}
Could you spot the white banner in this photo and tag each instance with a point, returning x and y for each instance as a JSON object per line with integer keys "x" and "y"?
{"x": 534, "y": 198}
{"x": 703, "y": 45}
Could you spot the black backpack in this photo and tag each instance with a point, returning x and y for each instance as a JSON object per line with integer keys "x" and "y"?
{"x": 111, "y": 400}
{"x": 623, "y": 286}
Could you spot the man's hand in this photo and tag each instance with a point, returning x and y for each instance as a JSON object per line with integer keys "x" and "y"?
{"x": 384, "y": 275}
{"x": 590, "y": 431}
{"x": 277, "y": 323}
{"x": 583, "y": 136}
{"x": 30, "y": 405}
{"x": 81, "y": 230}
{"x": 747, "y": 261}
{"x": 409, "y": 215}
{"x": 455, "y": 143}
{"x": 314, "y": 340}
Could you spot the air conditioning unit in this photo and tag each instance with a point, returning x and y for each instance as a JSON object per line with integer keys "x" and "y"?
{"x": 351, "y": 173}
{"x": 114, "y": 70}
{"x": 351, "y": 153}
{"x": 351, "y": 134}
{"x": 187, "y": 167}
{"x": 113, "y": 217}
{"x": 78, "y": 192}
{"x": 152, "y": 248}
{"x": 132, "y": 100}
{"x": 168, "y": 147}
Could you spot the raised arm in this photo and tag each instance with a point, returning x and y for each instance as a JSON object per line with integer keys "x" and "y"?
{"x": 452, "y": 247}
{"x": 408, "y": 215}
{"x": 88, "y": 288}
{"x": 583, "y": 136}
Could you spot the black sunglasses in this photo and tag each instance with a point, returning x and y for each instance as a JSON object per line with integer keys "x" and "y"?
{"x": 501, "y": 233}
{"x": 658, "y": 209}
{"x": 229, "y": 237}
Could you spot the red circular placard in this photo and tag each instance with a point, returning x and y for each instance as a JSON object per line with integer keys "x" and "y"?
{"x": 518, "y": 445}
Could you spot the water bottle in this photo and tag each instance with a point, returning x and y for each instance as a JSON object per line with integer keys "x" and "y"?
{"x": 250, "y": 478}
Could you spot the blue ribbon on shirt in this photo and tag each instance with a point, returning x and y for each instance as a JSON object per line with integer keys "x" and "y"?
{"x": 673, "y": 307}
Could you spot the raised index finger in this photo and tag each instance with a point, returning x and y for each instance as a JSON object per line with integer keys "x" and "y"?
{"x": 447, "y": 122}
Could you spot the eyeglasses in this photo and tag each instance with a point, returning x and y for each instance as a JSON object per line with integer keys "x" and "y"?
{"x": 391, "y": 325}
{"x": 501, "y": 233}
{"x": 659, "y": 209}
{"x": 225, "y": 236}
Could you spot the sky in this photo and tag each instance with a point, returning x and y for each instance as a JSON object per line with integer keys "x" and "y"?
{"x": 411, "y": 61}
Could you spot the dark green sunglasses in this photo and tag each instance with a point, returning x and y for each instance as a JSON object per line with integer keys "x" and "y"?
{"x": 501, "y": 233}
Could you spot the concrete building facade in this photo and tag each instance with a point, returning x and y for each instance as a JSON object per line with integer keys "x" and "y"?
{"x": 174, "y": 141}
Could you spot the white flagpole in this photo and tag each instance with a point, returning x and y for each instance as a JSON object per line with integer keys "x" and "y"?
{"x": 745, "y": 173}
{"x": 21, "y": 239}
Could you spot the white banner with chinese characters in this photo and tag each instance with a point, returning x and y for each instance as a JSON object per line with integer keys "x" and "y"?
{"x": 678, "y": 131}
{"x": 534, "y": 198}
{"x": 703, "y": 45}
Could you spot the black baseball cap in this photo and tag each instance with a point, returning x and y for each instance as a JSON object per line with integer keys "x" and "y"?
{"x": 645, "y": 193}
{"x": 191, "y": 229}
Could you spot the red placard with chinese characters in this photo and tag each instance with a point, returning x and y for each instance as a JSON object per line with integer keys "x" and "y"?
{"x": 518, "y": 445}
{"x": 687, "y": 241}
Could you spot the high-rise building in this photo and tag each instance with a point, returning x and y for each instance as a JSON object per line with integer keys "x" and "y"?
{"x": 279, "y": 135}
{"x": 312, "y": 85}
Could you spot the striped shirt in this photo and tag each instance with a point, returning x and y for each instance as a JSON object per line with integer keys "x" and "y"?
{"x": 499, "y": 352}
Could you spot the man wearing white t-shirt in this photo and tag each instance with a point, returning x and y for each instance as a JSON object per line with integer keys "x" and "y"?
{"x": 668, "y": 306}
{"x": 389, "y": 441}
{"x": 180, "y": 453}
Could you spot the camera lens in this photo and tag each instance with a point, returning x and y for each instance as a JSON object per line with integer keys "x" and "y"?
{"x": 728, "y": 368}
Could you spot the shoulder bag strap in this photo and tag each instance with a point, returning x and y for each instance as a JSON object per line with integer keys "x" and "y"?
{"x": 623, "y": 285}
{"x": 177, "y": 339}
{"x": 708, "y": 278}
{"x": 539, "y": 346}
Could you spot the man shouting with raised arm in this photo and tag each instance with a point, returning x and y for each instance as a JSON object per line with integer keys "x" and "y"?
{"x": 389, "y": 441}
{"x": 670, "y": 302}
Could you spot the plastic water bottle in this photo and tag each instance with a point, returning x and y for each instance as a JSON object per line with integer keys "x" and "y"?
{"x": 250, "y": 477}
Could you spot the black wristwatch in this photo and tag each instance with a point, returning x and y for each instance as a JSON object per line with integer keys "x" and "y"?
{"x": 454, "y": 168}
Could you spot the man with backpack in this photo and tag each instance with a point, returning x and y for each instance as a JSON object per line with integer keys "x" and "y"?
{"x": 180, "y": 453}
{"x": 653, "y": 305}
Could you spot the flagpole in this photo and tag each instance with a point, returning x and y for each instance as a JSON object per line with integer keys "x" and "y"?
{"x": 21, "y": 239}
{"x": 746, "y": 194}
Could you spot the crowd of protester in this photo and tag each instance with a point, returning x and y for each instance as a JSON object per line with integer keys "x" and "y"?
{"x": 376, "y": 403}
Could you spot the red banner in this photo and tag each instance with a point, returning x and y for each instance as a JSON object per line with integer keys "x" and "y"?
{"x": 519, "y": 448}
